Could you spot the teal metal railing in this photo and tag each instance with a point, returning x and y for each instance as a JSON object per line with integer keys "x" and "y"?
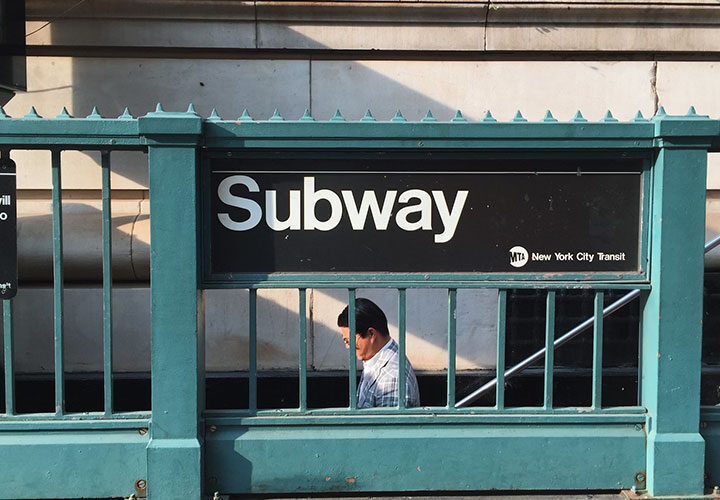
{"x": 107, "y": 448}
{"x": 182, "y": 450}
{"x": 8, "y": 357}
{"x": 104, "y": 132}
{"x": 552, "y": 341}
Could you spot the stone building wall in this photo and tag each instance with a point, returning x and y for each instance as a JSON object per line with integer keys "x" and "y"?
{"x": 232, "y": 55}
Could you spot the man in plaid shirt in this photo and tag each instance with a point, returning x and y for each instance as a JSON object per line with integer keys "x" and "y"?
{"x": 379, "y": 353}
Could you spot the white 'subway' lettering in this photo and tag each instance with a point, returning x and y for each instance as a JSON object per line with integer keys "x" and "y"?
{"x": 415, "y": 214}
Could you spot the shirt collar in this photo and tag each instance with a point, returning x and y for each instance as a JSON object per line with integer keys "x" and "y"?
{"x": 379, "y": 357}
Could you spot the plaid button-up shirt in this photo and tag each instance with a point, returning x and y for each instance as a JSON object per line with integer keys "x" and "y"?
{"x": 379, "y": 381}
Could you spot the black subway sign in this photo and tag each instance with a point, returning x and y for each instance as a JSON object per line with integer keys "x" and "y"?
{"x": 8, "y": 230}
{"x": 423, "y": 216}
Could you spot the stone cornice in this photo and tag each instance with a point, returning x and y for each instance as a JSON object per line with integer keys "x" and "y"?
{"x": 609, "y": 25}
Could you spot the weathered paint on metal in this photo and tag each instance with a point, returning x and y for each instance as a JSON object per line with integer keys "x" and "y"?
{"x": 597, "y": 351}
{"x": 409, "y": 449}
{"x": 83, "y": 463}
{"x": 671, "y": 319}
{"x": 58, "y": 284}
{"x": 107, "y": 285}
{"x": 174, "y": 451}
{"x": 423, "y": 457}
{"x": 8, "y": 361}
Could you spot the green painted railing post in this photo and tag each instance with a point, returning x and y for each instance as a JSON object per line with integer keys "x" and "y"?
{"x": 175, "y": 449}
{"x": 672, "y": 311}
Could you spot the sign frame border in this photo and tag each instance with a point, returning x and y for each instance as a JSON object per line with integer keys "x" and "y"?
{"x": 607, "y": 280}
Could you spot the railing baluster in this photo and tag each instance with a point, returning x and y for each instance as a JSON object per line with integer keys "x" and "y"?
{"x": 352, "y": 364}
{"x": 549, "y": 348}
{"x": 107, "y": 283}
{"x": 302, "y": 355}
{"x": 8, "y": 347}
{"x": 402, "y": 327}
{"x": 452, "y": 330}
{"x": 500, "y": 360}
{"x": 58, "y": 286}
{"x": 252, "y": 349}
{"x": 597, "y": 352}
{"x": 639, "y": 358}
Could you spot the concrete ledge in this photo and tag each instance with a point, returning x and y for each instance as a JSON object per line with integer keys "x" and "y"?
{"x": 669, "y": 26}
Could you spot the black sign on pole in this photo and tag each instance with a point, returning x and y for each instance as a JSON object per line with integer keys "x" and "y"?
{"x": 424, "y": 216}
{"x": 8, "y": 229}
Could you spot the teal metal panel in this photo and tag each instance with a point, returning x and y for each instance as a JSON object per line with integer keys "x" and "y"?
{"x": 72, "y": 463}
{"x": 672, "y": 313}
{"x": 174, "y": 451}
{"x": 345, "y": 450}
{"x": 343, "y": 458}
{"x": 76, "y": 421}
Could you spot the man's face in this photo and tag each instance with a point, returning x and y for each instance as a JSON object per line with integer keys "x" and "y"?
{"x": 364, "y": 346}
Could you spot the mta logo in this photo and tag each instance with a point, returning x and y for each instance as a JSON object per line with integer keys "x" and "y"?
{"x": 518, "y": 256}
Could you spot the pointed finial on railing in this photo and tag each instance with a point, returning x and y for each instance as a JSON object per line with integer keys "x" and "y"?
{"x": 489, "y": 117}
{"x": 94, "y": 114}
{"x": 32, "y": 113}
{"x": 639, "y": 117}
{"x": 245, "y": 116}
{"x": 691, "y": 111}
{"x": 307, "y": 117}
{"x": 214, "y": 117}
{"x": 398, "y": 118}
{"x": 276, "y": 117}
{"x": 159, "y": 108}
{"x": 191, "y": 109}
{"x": 661, "y": 111}
{"x": 3, "y": 115}
{"x": 609, "y": 117}
{"x": 579, "y": 117}
{"x": 548, "y": 117}
{"x": 428, "y": 117}
{"x": 337, "y": 117}
{"x": 519, "y": 117}
{"x": 126, "y": 115}
{"x": 63, "y": 114}
{"x": 367, "y": 117}
{"x": 458, "y": 118}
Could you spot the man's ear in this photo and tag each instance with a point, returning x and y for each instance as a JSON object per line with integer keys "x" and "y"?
{"x": 373, "y": 331}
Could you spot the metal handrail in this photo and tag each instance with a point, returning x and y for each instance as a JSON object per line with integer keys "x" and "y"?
{"x": 566, "y": 337}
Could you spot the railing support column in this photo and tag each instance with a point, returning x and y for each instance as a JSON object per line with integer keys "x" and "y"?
{"x": 175, "y": 449}
{"x": 672, "y": 313}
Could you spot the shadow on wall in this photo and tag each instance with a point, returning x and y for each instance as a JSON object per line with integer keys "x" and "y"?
{"x": 82, "y": 243}
{"x": 291, "y": 86}
{"x": 278, "y": 327}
